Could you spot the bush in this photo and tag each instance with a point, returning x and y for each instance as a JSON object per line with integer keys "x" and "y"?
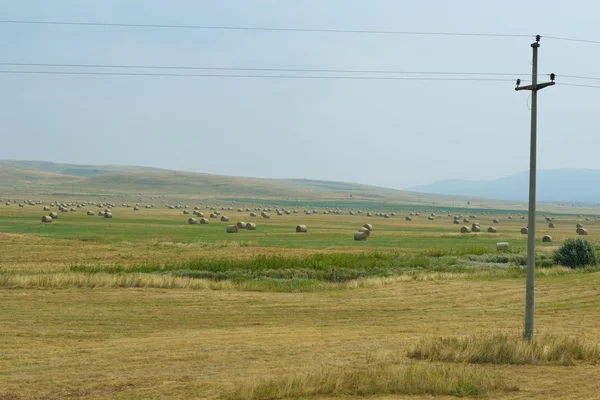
{"x": 576, "y": 253}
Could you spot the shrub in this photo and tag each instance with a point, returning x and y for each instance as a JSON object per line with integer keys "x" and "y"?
{"x": 576, "y": 253}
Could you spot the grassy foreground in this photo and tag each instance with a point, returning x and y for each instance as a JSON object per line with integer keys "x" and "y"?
{"x": 137, "y": 343}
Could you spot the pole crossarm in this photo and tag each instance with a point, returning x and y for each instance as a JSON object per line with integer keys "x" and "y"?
{"x": 537, "y": 87}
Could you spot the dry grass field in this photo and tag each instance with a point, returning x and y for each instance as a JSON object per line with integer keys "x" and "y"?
{"x": 145, "y": 306}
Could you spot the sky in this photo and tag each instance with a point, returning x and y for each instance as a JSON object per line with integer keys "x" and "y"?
{"x": 391, "y": 133}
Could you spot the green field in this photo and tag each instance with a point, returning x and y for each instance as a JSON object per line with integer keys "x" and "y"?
{"x": 145, "y": 305}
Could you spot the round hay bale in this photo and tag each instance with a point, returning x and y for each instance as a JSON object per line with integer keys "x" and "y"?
{"x": 242, "y": 225}
{"x": 90, "y": 212}
{"x": 365, "y": 231}
{"x": 136, "y": 208}
{"x": 496, "y": 221}
{"x": 502, "y": 246}
{"x": 547, "y": 239}
{"x": 524, "y": 231}
{"x": 232, "y": 229}
{"x": 185, "y": 212}
{"x": 475, "y": 228}
{"x": 251, "y": 226}
{"x": 579, "y": 226}
{"x": 107, "y": 215}
{"x": 46, "y": 208}
{"x": 465, "y": 229}
{"x": 224, "y": 218}
{"x": 551, "y": 225}
{"x": 253, "y": 214}
{"x": 582, "y": 231}
{"x": 360, "y": 236}
{"x": 46, "y": 219}
{"x": 101, "y": 213}
{"x": 430, "y": 218}
{"x": 53, "y": 215}
{"x": 192, "y": 221}
{"x": 203, "y": 221}
{"x": 368, "y": 226}
{"x": 408, "y": 218}
{"x": 456, "y": 222}
{"x": 301, "y": 229}
{"x": 466, "y": 220}
{"x": 491, "y": 229}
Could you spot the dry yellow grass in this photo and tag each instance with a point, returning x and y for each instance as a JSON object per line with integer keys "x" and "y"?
{"x": 106, "y": 343}
{"x": 377, "y": 380}
{"x": 504, "y": 348}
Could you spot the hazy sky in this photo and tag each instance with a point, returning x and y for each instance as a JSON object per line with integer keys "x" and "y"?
{"x": 388, "y": 133}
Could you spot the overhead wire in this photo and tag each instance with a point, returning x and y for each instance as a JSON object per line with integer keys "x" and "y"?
{"x": 332, "y": 77}
{"x": 267, "y": 29}
{"x": 172, "y": 67}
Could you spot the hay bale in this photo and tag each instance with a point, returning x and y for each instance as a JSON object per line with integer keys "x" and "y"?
{"x": 491, "y": 229}
{"x": 456, "y": 222}
{"x": 90, "y": 212}
{"x": 475, "y": 228}
{"x": 408, "y": 218}
{"x": 579, "y": 226}
{"x": 524, "y": 231}
{"x": 224, "y": 218}
{"x": 547, "y": 239}
{"x": 185, "y": 212}
{"x": 551, "y": 225}
{"x": 46, "y": 219}
{"x": 136, "y": 208}
{"x": 430, "y": 218}
{"x": 368, "y": 226}
{"x": 365, "y": 231}
{"x": 251, "y": 226}
{"x": 203, "y": 221}
{"x": 107, "y": 215}
{"x": 496, "y": 221}
{"x": 46, "y": 208}
{"x": 502, "y": 246}
{"x": 466, "y": 220}
{"x": 232, "y": 229}
{"x": 360, "y": 236}
{"x": 101, "y": 213}
{"x": 253, "y": 214}
{"x": 465, "y": 229}
{"x": 192, "y": 221}
{"x": 582, "y": 231}
{"x": 53, "y": 215}
{"x": 242, "y": 225}
{"x": 301, "y": 229}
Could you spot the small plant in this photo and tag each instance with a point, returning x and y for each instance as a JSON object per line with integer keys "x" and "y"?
{"x": 463, "y": 389}
{"x": 576, "y": 253}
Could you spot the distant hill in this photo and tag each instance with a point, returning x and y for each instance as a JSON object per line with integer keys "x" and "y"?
{"x": 53, "y": 179}
{"x": 557, "y": 185}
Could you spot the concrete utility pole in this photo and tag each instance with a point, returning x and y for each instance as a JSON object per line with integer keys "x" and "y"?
{"x": 534, "y": 88}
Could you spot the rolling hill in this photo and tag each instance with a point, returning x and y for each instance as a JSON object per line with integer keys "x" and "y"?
{"x": 46, "y": 178}
{"x": 557, "y": 186}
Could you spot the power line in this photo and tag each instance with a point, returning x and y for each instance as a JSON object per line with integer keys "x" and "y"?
{"x": 398, "y": 72}
{"x": 332, "y": 77}
{"x": 579, "y": 77}
{"x": 266, "y": 29}
{"x": 572, "y": 39}
{"x": 578, "y": 85}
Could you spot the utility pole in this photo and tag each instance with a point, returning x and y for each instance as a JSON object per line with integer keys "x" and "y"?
{"x": 534, "y": 88}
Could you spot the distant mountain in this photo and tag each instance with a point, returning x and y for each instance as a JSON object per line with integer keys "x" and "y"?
{"x": 556, "y": 185}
